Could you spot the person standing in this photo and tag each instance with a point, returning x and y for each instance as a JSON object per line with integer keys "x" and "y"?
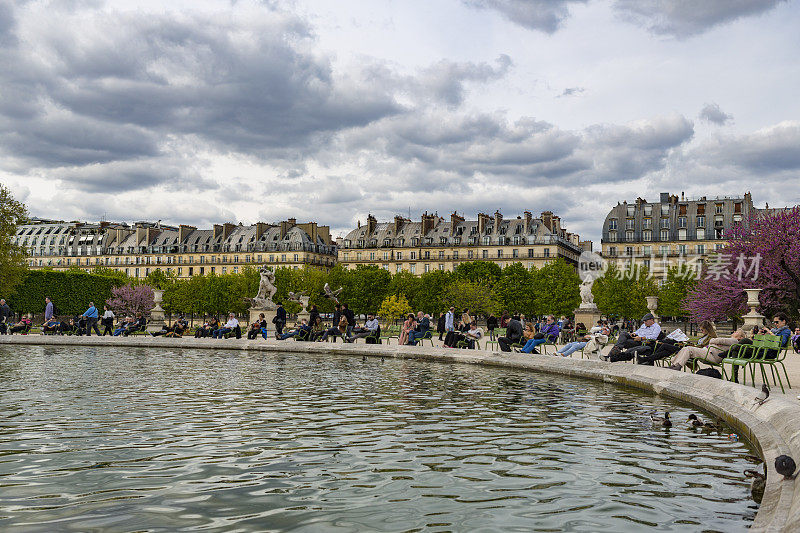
{"x": 48, "y": 309}
{"x": 491, "y": 324}
{"x": 280, "y": 319}
{"x": 91, "y": 315}
{"x": 5, "y": 316}
{"x": 440, "y": 324}
{"x": 108, "y": 321}
{"x": 351, "y": 319}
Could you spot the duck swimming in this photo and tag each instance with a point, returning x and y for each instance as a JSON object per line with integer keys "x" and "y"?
{"x": 757, "y": 485}
{"x": 696, "y": 422}
{"x": 661, "y": 421}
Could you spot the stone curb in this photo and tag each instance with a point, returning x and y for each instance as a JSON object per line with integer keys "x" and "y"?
{"x": 773, "y": 427}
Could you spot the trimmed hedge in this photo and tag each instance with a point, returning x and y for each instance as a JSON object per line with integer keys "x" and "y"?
{"x": 71, "y": 291}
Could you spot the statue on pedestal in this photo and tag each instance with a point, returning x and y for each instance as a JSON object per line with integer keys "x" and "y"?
{"x": 266, "y": 290}
{"x": 587, "y": 298}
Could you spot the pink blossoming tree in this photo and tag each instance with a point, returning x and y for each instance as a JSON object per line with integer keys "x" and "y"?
{"x": 131, "y": 299}
{"x": 762, "y": 254}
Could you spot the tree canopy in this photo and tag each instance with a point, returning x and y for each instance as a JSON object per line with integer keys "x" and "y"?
{"x": 12, "y": 256}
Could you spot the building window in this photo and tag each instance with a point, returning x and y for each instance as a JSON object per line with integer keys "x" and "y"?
{"x": 371, "y": 256}
{"x": 385, "y": 256}
{"x": 629, "y": 251}
{"x": 412, "y": 268}
{"x": 681, "y": 222}
{"x": 629, "y": 236}
{"x": 546, "y": 252}
{"x": 719, "y": 246}
{"x": 485, "y": 254}
{"x": 612, "y": 224}
{"x": 612, "y": 251}
{"x": 665, "y": 223}
{"x": 283, "y": 257}
{"x": 631, "y": 210}
{"x": 701, "y": 249}
{"x": 682, "y": 249}
{"x": 718, "y": 208}
{"x": 664, "y": 235}
{"x": 701, "y": 234}
{"x": 664, "y": 209}
{"x": 630, "y": 223}
{"x": 737, "y": 207}
{"x": 487, "y": 240}
{"x": 646, "y": 250}
{"x": 385, "y": 267}
{"x": 648, "y": 210}
{"x": 664, "y": 250}
{"x": 358, "y": 256}
{"x": 427, "y": 254}
{"x": 701, "y": 222}
{"x": 413, "y": 255}
{"x": 345, "y": 256}
{"x": 455, "y": 254}
{"x": 515, "y": 253}
{"x": 647, "y": 235}
{"x": 297, "y": 258}
{"x": 647, "y": 223}
{"x": 499, "y": 254}
{"x": 398, "y": 268}
{"x": 682, "y": 234}
{"x": 441, "y": 266}
{"x": 737, "y": 218}
{"x": 612, "y": 236}
{"x": 399, "y": 255}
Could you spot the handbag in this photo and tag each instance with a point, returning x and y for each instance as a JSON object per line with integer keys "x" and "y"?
{"x": 539, "y": 336}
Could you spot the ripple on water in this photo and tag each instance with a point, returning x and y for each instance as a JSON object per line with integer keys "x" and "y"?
{"x": 136, "y": 440}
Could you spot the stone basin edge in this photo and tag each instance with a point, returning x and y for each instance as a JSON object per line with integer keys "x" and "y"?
{"x": 773, "y": 427}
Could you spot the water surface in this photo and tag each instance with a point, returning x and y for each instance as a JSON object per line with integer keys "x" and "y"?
{"x": 121, "y": 439}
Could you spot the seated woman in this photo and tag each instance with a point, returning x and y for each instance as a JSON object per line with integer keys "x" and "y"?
{"x": 549, "y": 333}
{"x": 123, "y": 326}
{"x": 256, "y": 326}
{"x": 715, "y": 349}
{"x": 668, "y": 347}
{"x": 408, "y": 326}
{"x": 796, "y": 340}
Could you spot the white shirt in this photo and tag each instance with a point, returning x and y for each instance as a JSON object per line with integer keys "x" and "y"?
{"x": 476, "y": 333}
{"x": 232, "y": 323}
{"x": 448, "y": 321}
{"x": 372, "y": 325}
{"x": 108, "y": 314}
{"x": 651, "y": 333}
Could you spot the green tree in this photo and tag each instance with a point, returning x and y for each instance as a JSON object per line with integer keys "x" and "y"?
{"x": 515, "y": 290}
{"x": 478, "y": 298}
{"x": 673, "y": 292}
{"x": 158, "y": 279}
{"x": 394, "y": 307}
{"x": 430, "y": 296}
{"x": 624, "y": 293}
{"x": 557, "y": 288}
{"x": 12, "y": 256}
{"x": 405, "y": 283}
{"x": 368, "y": 288}
{"x": 483, "y": 272}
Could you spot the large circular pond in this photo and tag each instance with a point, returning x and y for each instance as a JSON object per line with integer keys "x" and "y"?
{"x": 107, "y": 439}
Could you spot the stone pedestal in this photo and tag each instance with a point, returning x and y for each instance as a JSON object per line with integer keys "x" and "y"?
{"x": 588, "y": 315}
{"x": 269, "y": 314}
{"x": 753, "y": 318}
{"x": 156, "y": 320}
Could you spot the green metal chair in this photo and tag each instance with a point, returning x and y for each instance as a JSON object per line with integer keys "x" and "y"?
{"x": 772, "y": 364}
{"x": 748, "y": 355}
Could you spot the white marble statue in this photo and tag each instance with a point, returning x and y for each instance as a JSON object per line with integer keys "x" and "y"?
{"x": 587, "y": 298}
{"x": 266, "y": 290}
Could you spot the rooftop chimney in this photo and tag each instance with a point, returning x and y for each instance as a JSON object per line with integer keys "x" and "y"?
{"x": 498, "y": 218}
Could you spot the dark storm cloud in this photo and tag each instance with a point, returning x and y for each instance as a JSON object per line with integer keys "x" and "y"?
{"x": 712, "y": 113}
{"x": 125, "y": 176}
{"x": 527, "y": 152}
{"x": 446, "y": 80}
{"x": 542, "y": 15}
{"x": 771, "y": 150}
{"x": 684, "y": 18}
{"x": 104, "y": 87}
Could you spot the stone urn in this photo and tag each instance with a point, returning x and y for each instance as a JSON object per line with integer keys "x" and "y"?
{"x": 753, "y": 318}
{"x": 652, "y": 305}
{"x": 156, "y": 320}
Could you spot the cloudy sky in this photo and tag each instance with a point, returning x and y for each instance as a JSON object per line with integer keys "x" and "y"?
{"x": 246, "y": 111}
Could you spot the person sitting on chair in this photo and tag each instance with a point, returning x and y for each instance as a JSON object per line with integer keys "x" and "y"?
{"x": 513, "y": 333}
{"x": 648, "y": 331}
{"x": 370, "y": 327}
{"x": 229, "y": 327}
{"x": 423, "y": 326}
{"x": 549, "y": 333}
{"x": 473, "y": 334}
{"x": 301, "y": 331}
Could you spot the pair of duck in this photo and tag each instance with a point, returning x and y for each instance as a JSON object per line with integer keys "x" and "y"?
{"x": 693, "y": 419}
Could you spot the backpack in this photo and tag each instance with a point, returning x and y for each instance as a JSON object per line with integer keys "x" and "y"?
{"x": 710, "y": 372}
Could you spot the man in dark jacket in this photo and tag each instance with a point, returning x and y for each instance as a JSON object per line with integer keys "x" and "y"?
{"x": 351, "y": 319}
{"x": 280, "y": 319}
{"x": 513, "y": 335}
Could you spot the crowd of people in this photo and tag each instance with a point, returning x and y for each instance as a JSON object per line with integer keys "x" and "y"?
{"x": 644, "y": 343}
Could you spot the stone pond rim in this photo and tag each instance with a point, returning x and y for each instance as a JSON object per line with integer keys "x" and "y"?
{"x": 774, "y": 427}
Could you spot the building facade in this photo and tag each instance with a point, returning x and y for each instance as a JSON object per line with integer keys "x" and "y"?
{"x": 671, "y": 232}
{"x": 435, "y": 243}
{"x": 184, "y": 250}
